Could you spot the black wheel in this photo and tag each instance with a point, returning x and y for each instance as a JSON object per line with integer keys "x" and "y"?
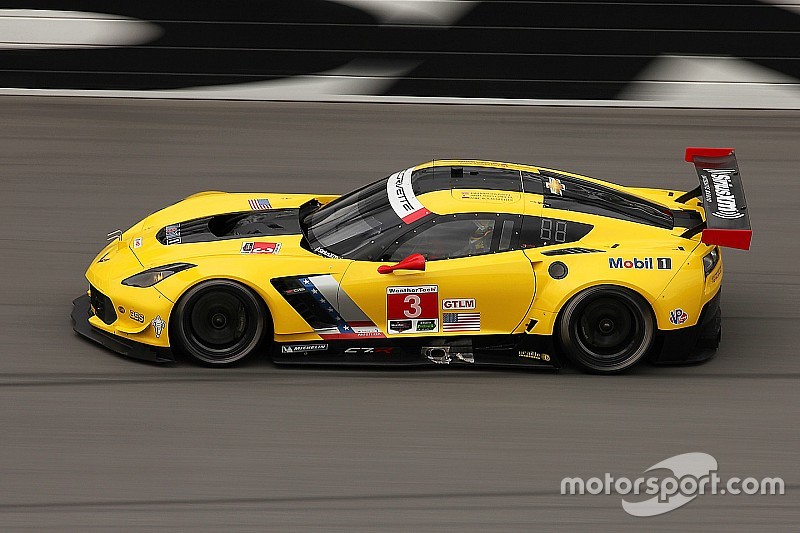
{"x": 218, "y": 323}
{"x": 606, "y": 329}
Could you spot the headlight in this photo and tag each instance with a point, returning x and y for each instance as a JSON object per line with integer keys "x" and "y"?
{"x": 151, "y": 276}
{"x": 710, "y": 260}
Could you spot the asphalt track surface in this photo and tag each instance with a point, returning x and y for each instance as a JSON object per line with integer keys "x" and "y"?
{"x": 92, "y": 441}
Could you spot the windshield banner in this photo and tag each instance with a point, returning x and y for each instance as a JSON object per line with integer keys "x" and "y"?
{"x": 402, "y": 198}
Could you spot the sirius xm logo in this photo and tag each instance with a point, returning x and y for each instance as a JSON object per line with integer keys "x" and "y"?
{"x": 726, "y": 201}
{"x": 645, "y": 263}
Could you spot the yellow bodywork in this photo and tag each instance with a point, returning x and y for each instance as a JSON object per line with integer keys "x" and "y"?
{"x": 510, "y": 289}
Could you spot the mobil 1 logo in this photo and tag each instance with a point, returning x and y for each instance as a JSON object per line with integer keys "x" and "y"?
{"x": 635, "y": 263}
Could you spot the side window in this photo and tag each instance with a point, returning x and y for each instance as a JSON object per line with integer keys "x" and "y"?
{"x": 532, "y": 183}
{"x": 538, "y": 231}
{"x": 449, "y": 239}
{"x": 506, "y": 234}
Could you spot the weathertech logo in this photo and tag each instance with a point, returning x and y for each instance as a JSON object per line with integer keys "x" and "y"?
{"x": 646, "y": 263}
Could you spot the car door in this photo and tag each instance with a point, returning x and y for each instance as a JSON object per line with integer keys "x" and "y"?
{"x": 474, "y": 282}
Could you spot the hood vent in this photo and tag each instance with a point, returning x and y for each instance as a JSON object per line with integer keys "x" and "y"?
{"x": 232, "y": 226}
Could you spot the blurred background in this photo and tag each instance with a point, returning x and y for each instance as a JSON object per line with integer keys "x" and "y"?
{"x": 720, "y": 53}
{"x": 110, "y": 111}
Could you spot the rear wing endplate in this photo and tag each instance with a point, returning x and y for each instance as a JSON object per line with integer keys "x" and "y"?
{"x": 722, "y": 194}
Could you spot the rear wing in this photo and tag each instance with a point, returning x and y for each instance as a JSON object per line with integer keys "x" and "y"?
{"x": 721, "y": 191}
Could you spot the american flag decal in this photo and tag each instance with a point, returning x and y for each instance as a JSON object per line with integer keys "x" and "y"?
{"x": 260, "y": 204}
{"x": 461, "y": 322}
{"x": 360, "y": 328}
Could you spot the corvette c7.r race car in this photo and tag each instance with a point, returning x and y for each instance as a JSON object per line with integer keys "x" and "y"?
{"x": 456, "y": 261}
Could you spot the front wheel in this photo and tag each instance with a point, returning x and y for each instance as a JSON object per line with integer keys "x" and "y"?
{"x": 218, "y": 323}
{"x": 606, "y": 329}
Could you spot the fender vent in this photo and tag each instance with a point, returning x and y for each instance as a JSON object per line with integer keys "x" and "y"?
{"x": 306, "y": 306}
{"x": 574, "y": 250}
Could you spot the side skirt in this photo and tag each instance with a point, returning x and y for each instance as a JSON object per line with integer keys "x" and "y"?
{"x": 499, "y": 350}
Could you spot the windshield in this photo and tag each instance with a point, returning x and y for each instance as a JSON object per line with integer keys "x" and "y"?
{"x": 348, "y": 225}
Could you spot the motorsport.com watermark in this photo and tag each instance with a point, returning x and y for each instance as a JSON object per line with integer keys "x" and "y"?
{"x": 693, "y": 474}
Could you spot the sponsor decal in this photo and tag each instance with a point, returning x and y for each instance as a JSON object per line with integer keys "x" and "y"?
{"x": 138, "y": 317}
{"x": 722, "y": 186}
{"x": 461, "y": 322}
{"x": 158, "y": 325}
{"x": 426, "y": 325}
{"x": 370, "y": 349}
{"x": 413, "y": 290}
{"x": 259, "y": 204}
{"x": 173, "y": 234}
{"x": 368, "y": 331}
{"x": 716, "y": 275}
{"x": 402, "y": 198}
{"x": 417, "y": 305}
{"x": 678, "y": 316}
{"x": 458, "y": 304}
{"x": 400, "y": 325}
{"x": 300, "y": 348}
{"x": 137, "y": 242}
{"x": 638, "y": 264}
{"x": 645, "y": 263}
{"x": 258, "y": 247}
{"x": 325, "y": 253}
{"x": 706, "y": 189}
{"x": 530, "y": 354}
{"x": 555, "y": 186}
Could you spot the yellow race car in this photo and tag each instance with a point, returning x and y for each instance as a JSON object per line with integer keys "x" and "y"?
{"x": 456, "y": 261}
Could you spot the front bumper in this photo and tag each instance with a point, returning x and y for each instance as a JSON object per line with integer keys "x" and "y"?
{"x": 82, "y": 310}
{"x": 694, "y": 344}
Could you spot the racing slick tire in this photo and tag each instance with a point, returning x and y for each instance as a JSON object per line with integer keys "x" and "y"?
{"x": 218, "y": 323}
{"x": 606, "y": 329}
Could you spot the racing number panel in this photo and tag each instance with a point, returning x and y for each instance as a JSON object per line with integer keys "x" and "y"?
{"x": 546, "y": 231}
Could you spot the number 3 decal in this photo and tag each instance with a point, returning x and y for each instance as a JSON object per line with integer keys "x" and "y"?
{"x": 407, "y": 307}
{"x": 413, "y": 300}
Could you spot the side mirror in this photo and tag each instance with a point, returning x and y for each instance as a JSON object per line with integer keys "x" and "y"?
{"x": 412, "y": 262}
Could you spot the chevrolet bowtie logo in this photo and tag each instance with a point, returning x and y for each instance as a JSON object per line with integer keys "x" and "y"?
{"x": 555, "y": 186}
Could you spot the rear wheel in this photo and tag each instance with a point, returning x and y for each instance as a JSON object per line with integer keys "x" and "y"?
{"x": 606, "y": 329}
{"x": 219, "y": 323}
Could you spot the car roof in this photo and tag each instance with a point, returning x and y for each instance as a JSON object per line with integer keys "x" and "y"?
{"x": 448, "y": 186}
{"x": 469, "y": 185}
